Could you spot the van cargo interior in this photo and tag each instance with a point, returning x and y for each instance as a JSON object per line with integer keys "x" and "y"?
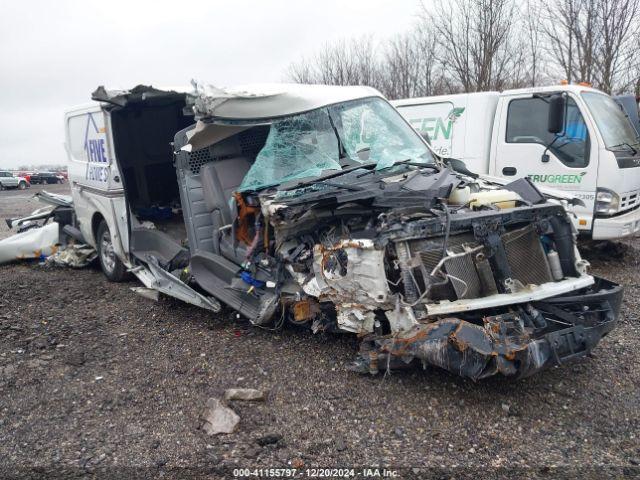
{"x": 143, "y": 132}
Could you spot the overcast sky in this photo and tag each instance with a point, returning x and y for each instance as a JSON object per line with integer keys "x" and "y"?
{"x": 53, "y": 54}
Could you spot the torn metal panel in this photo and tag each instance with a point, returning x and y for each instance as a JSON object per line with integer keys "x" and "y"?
{"x": 36, "y": 243}
{"x": 268, "y": 101}
{"x": 354, "y": 227}
{"x": 351, "y": 274}
{"x": 154, "y": 277}
{"x": 39, "y": 214}
{"x": 149, "y": 293}
{"x": 139, "y": 94}
{"x": 351, "y": 269}
{"x": 354, "y": 318}
{"x": 55, "y": 202}
{"x": 55, "y": 199}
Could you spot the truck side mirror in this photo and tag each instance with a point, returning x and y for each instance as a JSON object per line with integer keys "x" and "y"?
{"x": 555, "y": 122}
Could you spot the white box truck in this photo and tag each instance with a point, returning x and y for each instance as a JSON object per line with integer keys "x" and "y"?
{"x": 568, "y": 137}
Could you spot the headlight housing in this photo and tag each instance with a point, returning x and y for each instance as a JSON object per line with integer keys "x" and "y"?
{"x": 607, "y": 202}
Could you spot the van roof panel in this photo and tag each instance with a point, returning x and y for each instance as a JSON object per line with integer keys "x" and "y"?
{"x": 267, "y": 101}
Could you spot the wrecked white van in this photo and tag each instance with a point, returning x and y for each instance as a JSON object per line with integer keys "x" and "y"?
{"x": 321, "y": 206}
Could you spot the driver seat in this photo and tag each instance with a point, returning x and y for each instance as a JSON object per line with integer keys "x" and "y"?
{"x": 220, "y": 179}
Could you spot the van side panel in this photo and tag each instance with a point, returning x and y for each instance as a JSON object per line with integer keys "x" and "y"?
{"x": 93, "y": 176}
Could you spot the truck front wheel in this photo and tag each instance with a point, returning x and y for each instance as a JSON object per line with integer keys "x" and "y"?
{"x": 22, "y": 185}
{"x": 112, "y": 266}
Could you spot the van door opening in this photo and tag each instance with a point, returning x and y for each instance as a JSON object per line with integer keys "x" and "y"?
{"x": 143, "y": 128}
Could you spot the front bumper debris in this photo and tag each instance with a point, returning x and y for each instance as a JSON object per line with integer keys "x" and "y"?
{"x": 515, "y": 342}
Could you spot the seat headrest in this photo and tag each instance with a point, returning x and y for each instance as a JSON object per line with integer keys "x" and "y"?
{"x": 221, "y": 178}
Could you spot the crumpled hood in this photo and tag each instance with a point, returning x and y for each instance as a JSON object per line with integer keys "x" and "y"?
{"x": 404, "y": 189}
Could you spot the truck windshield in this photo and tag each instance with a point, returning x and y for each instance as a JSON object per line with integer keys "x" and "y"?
{"x": 615, "y": 128}
{"x": 340, "y": 136}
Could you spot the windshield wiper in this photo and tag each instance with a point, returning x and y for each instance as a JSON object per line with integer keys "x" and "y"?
{"x": 353, "y": 188}
{"x": 342, "y": 152}
{"x": 334, "y": 173}
{"x": 406, "y": 161}
{"x": 625, "y": 144}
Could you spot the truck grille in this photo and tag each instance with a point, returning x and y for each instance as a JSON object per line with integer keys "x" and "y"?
{"x": 629, "y": 200}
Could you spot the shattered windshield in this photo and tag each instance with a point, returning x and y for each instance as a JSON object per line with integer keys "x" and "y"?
{"x": 333, "y": 138}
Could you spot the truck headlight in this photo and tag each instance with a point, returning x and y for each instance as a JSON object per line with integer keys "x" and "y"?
{"x": 607, "y": 202}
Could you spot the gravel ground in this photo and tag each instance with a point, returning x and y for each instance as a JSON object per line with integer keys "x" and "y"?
{"x": 96, "y": 380}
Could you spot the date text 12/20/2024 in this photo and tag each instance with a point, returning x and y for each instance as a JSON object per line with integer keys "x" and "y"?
{"x": 315, "y": 473}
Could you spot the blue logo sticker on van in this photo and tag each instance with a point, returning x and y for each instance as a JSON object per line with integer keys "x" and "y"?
{"x": 96, "y": 152}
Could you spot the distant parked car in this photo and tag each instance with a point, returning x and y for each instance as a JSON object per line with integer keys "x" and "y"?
{"x": 46, "y": 178}
{"x": 9, "y": 180}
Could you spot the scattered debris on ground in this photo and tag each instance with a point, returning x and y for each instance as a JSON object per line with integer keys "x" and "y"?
{"x": 249, "y": 394}
{"x": 218, "y": 418}
{"x": 74, "y": 256}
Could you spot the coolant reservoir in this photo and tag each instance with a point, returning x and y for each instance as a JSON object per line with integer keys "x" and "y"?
{"x": 460, "y": 196}
{"x": 499, "y": 198}
{"x": 554, "y": 264}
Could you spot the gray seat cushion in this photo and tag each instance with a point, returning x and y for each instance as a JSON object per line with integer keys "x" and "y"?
{"x": 219, "y": 180}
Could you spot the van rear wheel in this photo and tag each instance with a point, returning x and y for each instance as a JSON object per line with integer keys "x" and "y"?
{"x": 112, "y": 266}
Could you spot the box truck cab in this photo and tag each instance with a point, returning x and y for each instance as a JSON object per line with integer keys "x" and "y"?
{"x": 569, "y": 137}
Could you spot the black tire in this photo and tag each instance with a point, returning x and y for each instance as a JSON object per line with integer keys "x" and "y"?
{"x": 45, "y": 181}
{"x": 22, "y": 185}
{"x": 112, "y": 267}
{"x": 2, "y": 187}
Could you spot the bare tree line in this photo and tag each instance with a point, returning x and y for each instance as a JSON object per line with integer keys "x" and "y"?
{"x": 478, "y": 45}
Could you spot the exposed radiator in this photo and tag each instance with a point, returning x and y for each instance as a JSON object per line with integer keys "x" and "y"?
{"x": 469, "y": 271}
{"x": 526, "y": 256}
{"x": 463, "y": 275}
